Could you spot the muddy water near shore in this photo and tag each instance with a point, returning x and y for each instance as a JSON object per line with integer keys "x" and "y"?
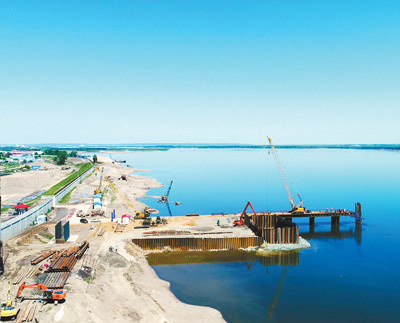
{"x": 346, "y": 275}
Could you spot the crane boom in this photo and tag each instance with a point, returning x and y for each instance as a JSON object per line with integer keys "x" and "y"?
{"x": 295, "y": 208}
{"x": 169, "y": 188}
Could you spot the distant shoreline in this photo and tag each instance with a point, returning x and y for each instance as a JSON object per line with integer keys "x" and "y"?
{"x": 166, "y": 147}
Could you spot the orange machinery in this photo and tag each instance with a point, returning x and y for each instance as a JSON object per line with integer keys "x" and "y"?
{"x": 241, "y": 221}
{"x": 48, "y": 294}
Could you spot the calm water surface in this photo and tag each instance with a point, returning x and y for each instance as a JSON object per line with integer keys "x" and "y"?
{"x": 344, "y": 276}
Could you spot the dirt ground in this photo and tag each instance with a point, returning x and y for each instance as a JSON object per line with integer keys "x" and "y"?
{"x": 123, "y": 287}
{"x": 22, "y": 184}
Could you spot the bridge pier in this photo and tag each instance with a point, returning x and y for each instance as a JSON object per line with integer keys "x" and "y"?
{"x": 312, "y": 224}
{"x": 358, "y": 215}
{"x": 335, "y": 223}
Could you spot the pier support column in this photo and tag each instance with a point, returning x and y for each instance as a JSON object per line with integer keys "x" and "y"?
{"x": 312, "y": 224}
{"x": 335, "y": 223}
{"x": 358, "y": 216}
{"x": 357, "y": 233}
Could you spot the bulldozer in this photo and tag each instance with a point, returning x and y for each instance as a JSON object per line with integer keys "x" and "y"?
{"x": 8, "y": 310}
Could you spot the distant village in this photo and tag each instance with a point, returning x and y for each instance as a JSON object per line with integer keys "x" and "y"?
{"x": 19, "y": 156}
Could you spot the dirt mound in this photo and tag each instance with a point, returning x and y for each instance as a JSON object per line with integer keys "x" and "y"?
{"x": 114, "y": 260}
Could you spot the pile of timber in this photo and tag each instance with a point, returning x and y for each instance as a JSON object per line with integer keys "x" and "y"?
{"x": 56, "y": 280}
{"x": 43, "y": 256}
{"x": 120, "y": 228}
{"x": 101, "y": 231}
{"x": 28, "y": 273}
{"x": 27, "y": 314}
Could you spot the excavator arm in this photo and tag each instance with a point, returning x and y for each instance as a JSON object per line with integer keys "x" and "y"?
{"x": 51, "y": 295}
{"x": 37, "y": 286}
{"x": 241, "y": 221}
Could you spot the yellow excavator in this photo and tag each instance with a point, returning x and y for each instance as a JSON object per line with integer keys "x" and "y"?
{"x": 143, "y": 215}
{"x": 8, "y": 310}
{"x": 295, "y": 208}
{"x": 101, "y": 179}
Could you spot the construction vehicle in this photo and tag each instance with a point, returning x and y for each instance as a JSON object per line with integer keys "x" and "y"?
{"x": 8, "y": 310}
{"x": 143, "y": 215}
{"x": 241, "y": 221}
{"x": 164, "y": 198}
{"x": 295, "y": 208}
{"x": 101, "y": 180}
{"x": 49, "y": 295}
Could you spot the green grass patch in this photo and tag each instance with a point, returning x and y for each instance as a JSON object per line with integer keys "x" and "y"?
{"x": 68, "y": 180}
{"x": 48, "y": 236}
{"x": 31, "y": 202}
{"x": 66, "y": 198}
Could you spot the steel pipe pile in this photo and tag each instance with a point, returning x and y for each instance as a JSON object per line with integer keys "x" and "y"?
{"x": 56, "y": 280}
{"x": 43, "y": 256}
{"x": 82, "y": 249}
{"x": 67, "y": 258}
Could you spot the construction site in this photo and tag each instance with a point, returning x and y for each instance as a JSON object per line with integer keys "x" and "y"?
{"x": 68, "y": 268}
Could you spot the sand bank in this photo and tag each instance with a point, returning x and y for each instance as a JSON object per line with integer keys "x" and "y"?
{"x": 124, "y": 287}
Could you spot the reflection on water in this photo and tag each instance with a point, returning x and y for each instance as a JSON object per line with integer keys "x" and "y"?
{"x": 245, "y": 259}
{"x": 337, "y": 279}
{"x": 286, "y": 258}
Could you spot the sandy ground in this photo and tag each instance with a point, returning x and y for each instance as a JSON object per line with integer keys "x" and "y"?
{"x": 124, "y": 287}
{"x": 22, "y": 184}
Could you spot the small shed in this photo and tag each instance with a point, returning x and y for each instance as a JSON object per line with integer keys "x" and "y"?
{"x": 126, "y": 218}
{"x": 97, "y": 205}
{"x": 41, "y": 219}
{"x": 21, "y": 208}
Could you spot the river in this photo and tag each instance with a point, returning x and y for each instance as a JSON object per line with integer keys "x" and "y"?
{"x": 345, "y": 276}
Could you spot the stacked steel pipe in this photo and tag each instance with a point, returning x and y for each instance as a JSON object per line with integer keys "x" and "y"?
{"x": 56, "y": 280}
{"x": 67, "y": 258}
{"x": 43, "y": 256}
{"x": 82, "y": 249}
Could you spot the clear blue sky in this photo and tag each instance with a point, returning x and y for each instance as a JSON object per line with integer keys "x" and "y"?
{"x": 200, "y": 71}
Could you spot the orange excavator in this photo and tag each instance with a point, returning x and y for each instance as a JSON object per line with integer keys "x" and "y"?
{"x": 241, "y": 221}
{"x": 49, "y": 295}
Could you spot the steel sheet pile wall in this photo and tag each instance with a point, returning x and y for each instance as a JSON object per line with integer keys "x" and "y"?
{"x": 198, "y": 243}
{"x": 273, "y": 228}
